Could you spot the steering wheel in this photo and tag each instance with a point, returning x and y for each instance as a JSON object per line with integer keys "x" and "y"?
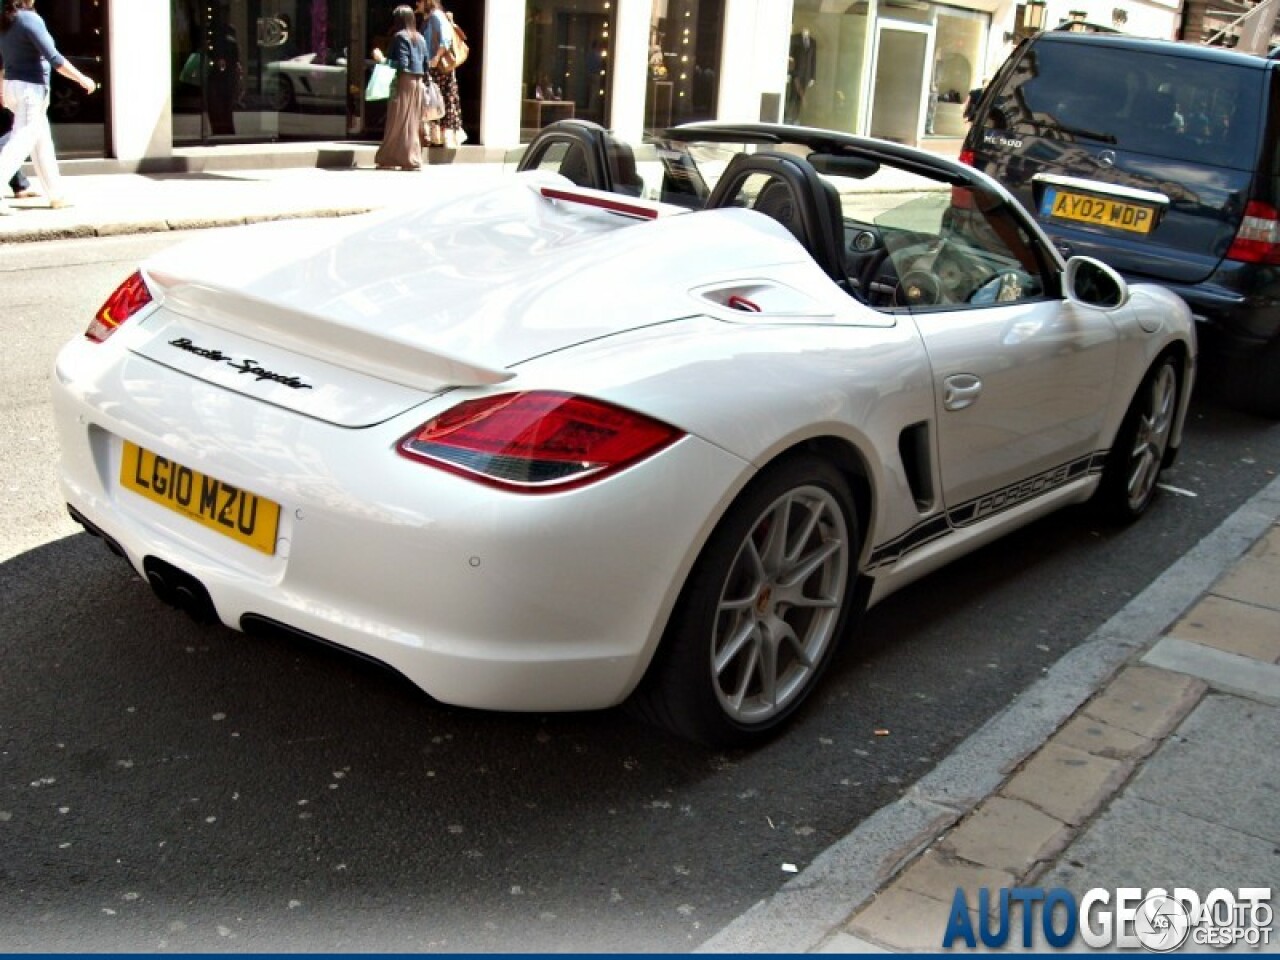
{"x": 917, "y": 288}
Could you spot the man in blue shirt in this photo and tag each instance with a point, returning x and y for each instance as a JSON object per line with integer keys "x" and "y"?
{"x": 27, "y": 59}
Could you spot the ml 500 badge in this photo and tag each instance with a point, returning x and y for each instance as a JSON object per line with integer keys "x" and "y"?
{"x": 996, "y": 140}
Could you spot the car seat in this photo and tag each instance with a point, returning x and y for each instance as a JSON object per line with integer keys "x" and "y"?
{"x": 795, "y": 196}
{"x": 622, "y": 160}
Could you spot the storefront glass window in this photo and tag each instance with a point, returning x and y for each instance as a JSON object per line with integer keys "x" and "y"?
{"x": 79, "y": 119}
{"x": 684, "y": 61}
{"x": 568, "y": 48}
{"x": 925, "y": 58}
{"x": 959, "y": 44}
{"x": 258, "y": 70}
{"x": 826, "y": 55}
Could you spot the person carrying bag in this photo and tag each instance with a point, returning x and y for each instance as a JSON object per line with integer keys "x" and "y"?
{"x": 402, "y": 136}
{"x": 442, "y": 63}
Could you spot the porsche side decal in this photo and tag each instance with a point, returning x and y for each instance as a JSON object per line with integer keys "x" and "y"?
{"x": 986, "y": 506}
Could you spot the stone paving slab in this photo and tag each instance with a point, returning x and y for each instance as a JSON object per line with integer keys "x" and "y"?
{"x": 1103, "y": 739}
{"x": 1146, "y": 701}
{"x": 1237, "y": 626}
{"x": 1224, "y": 671}
{"x": 1138, "y": 843}
{"x": 1257, "y": 580}
{"x": 1006, "y": 834}
{"x": 1224, "y": 733}
{"x": 1067, "y": 784}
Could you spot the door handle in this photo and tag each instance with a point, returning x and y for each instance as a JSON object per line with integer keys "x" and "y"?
{"x": 962, "y": 390}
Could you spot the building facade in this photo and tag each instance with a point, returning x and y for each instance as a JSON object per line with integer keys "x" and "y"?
{"x": 180, "y": 73}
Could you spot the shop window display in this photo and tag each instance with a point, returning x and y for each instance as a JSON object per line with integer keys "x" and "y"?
{"x": 567, "y": 57}
{"x": 826, "y": 56}
{"x": 829, "y": 80}
{"x": 78, "y": 118}
{"x": 684, "y": 61}
{"x": 272, "y": 69}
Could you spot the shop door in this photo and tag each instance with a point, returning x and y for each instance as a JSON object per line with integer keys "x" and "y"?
{"x": 901, "y": 81}
{"x": 79, "y": 119}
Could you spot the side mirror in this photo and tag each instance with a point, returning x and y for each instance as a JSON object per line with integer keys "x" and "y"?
{"x": 1094, "y": 284}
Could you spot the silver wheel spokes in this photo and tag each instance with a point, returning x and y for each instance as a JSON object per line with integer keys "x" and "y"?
{"x": 780, "y": 604}
{"x": 1152, "y": 438}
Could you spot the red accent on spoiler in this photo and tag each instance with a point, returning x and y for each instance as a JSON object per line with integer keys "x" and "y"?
{"x": 604, "y": 203}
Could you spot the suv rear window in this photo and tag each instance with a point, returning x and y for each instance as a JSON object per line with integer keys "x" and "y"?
{"x": 1183, "y": 108}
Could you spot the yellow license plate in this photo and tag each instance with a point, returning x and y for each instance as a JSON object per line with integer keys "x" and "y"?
{"x": 1133, "y": 217}
{"x": 233, "y": 512}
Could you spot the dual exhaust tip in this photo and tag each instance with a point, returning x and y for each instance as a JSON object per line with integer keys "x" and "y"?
{"x": 175, "y": 587}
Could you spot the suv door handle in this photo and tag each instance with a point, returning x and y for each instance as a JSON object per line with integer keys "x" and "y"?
{"x": 962, "y": 390}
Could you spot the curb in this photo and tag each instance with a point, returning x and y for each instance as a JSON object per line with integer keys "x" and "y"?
{"x": 810, "y": 912}
{"x": 124, "y": 228}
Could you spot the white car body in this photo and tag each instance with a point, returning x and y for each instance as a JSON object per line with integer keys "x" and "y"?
{"x": 290, "y": 359}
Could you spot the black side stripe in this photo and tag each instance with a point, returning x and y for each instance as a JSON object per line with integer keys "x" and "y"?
{"x": 986, "y": 506}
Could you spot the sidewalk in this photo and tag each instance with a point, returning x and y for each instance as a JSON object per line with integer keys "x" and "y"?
{"x": 1147, "y": 758}
{"x": 109, "y": 204}
{"x": 219, "y": 187}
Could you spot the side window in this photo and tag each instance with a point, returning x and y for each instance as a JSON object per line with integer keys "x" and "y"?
{"x": 568, "y": 159}
{"x": 918, "y": 244}
{"x": 991, "y": 258}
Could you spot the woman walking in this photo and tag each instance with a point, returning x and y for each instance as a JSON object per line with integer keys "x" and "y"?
{"x": 27, "y": 58}
{"x": 447, "y": 131}
{"x": 402, "y": 135}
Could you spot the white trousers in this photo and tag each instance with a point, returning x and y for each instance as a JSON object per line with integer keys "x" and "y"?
{"x": 31, "y": 136}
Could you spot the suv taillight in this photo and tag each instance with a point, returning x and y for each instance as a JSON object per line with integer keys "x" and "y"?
{"x": 1258, "y": 239}
{"x": 130, "y": 297}
{"x": 967, "y": 157}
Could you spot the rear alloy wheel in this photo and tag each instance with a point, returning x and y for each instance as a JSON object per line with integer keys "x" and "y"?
{"x": 1142, "y": 445}
{"x": 281, "y": 96}
{"x": 762, "y": 612}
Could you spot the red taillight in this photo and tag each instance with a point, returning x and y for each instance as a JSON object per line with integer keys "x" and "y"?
{"x": 1258, "y": 239}
{"x": 967, "y": 157}
{"x": 536, "y": 442}
{"x": 130, "y": 297}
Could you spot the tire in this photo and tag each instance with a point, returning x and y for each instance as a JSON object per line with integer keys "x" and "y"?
{"x": 1141, "y": 448}
{"x": 282, "y": 97}
{"x": 760, "y": 615}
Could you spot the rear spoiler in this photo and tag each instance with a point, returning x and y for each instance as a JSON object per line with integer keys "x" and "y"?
{"x": 323, "y": 338}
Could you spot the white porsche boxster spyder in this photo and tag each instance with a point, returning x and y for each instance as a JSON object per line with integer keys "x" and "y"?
{"x": 648, "y": 425}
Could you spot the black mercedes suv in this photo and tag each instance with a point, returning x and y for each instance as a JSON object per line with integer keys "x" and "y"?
{"x": 1161, "y": 159}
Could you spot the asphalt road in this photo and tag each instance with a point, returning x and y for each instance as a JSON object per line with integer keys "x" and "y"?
{"x": 167, "y": 786}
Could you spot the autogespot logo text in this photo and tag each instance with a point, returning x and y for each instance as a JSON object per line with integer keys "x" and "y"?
{"x": 1126, "y": 918}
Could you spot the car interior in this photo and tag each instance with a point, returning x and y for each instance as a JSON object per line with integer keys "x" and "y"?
{"x": 891, "y": 233}
{"x": 887, "y": 237}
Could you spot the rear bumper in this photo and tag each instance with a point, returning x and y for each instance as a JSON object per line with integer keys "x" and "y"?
{"x": 482, "y": 598}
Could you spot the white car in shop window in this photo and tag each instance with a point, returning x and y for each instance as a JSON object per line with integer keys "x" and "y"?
{"x": 541, "y": 446}
{"x": 307, "y": 80}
